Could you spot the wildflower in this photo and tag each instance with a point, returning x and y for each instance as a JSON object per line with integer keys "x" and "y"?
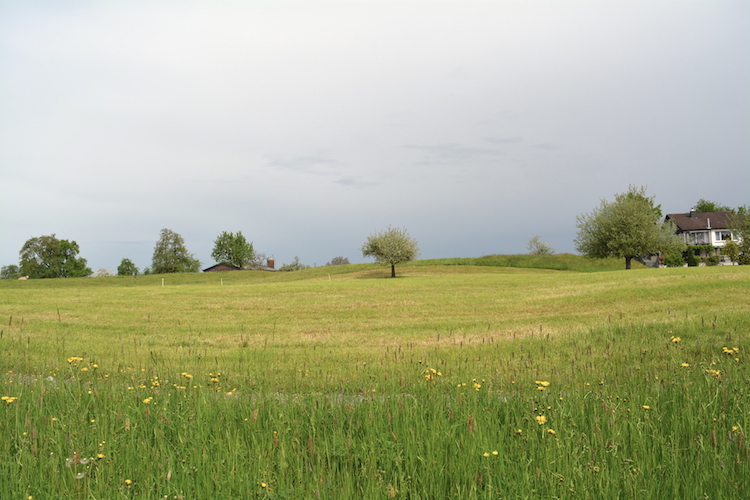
{"x": 485, "y": 454}
{"x": 543, "y": 383}
{"x": 596, "y": 469}
{"x": 74, "y": 359}
{"x": 675, "y": 339}
{"x": 734, "y": 427}
{"x": 54, "y": 419}
{"x": 550, "y": 431}
{"x": 9, "y": 399}
{"x": 685, "y": 365}
{"x": 646, "y": 407}
{"x": 99, "y": 456}
{"x": 541, "y": 419}
{"x": 148, "y": 400}
{"x": 263, "y": 485}
{"x": 128, "y": 483}
{"x": 477, "y": 386}
{"x": 85, "y": 369}
{"x": 519, "y": 432}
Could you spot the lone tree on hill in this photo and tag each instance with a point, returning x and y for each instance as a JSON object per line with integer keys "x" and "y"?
{"x": 392, "y": 246}
{"x": 626, "y": 228}
{"x": 171, "y": 256}
{"x": 233, "y": 249}
{"x": 48, "y": 257}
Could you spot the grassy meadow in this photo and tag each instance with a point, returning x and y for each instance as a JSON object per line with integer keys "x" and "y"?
{"x": 498, "y": 377}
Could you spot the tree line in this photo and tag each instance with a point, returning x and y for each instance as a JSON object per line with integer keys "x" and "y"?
{"x": 50, "y": 257}
{"x": 630, "y": 226}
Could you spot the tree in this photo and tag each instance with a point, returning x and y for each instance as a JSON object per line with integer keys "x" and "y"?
{"x": 537, "y": 247}
{"x": 740, "y": 225}
{"x": 732, "y": 250}
{"x": 171, "y": 255}
{"x": 233, "y": 249}
{"x": 626, "y": 228}
{"x": 338, "y": 261}
{"x": 295, "y": 265}
{"x": 710, "y": 206}
{"x": 49, "y": 257}
{"x": 127, "y": 268}
{"x": 10, "y": 272}
{"x": 392, "y": 246}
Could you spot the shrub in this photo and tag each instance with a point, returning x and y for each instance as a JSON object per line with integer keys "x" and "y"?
{"x": 674, "y": 260}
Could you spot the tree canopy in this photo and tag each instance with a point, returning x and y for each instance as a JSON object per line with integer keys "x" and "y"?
{"x": 233, "y": 249}
{"x": 10, "y": 272}
{"x": 50, "y": 257}
{"x": 537, "y": 247}
{"x": 626, "y": 228}
{"x": 127, "y": 268}
{"x": 171, "y": 255}
{"x": 391, "y": 246}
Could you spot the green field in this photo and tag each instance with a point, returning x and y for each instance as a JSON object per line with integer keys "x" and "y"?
{"x": 496, "y": 377}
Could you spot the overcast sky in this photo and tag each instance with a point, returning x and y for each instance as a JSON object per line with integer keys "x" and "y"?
{"x": 309, "y": 125}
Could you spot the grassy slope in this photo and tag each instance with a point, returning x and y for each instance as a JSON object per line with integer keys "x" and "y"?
{"x": 322, "y": 389}
{"x": 350, "y": 307}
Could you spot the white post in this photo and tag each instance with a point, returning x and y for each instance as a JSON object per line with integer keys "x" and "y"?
{"x": 162, "y": 282}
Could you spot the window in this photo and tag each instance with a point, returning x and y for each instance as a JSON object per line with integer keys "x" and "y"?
{"x": 697, "y": 238}
{"x": 723, "y": 235}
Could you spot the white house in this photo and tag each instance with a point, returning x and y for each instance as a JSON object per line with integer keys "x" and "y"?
{"x": 704, "y": 228}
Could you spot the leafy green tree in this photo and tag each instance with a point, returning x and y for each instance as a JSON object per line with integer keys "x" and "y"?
{"x": 732, "y": 250}
{"x": 710, "y": 206}
{"x": 10, "y": 272}
{"x": 127, "y": 268}
{"x": 49, "y": 257}
{"x": 171, "y": 255}
{"x": 626, "y": 228}
{"x": 233, "y": 249}
{"x": 338, "y": 261}
{"x": 392, "y": 246}
{"x": 537, "y": 247}
{"x": 295, "y": 265}
{"x": 740, "y": 225}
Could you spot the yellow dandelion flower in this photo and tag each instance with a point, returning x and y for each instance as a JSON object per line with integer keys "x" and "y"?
{"x": 541, "y": 419}
{"x": 495, "y": 452}
{"x": 519, "y": 432}
{"x": 646, "y": 407}
{"x": 550, "y": 431}
{"x": 685, "y": 365}
{"x": 485, "y": 454}
{"x": 128, "y": 482}
{"x": 675, "y": 339}
{"x": 263, "y": 485}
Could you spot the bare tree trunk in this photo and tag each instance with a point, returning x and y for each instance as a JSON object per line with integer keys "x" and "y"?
{"x": 393, "y": 270}
{"x": 627, "y": 262}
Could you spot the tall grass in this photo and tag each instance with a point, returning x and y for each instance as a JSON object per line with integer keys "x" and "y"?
{"x": 444, "y": 384}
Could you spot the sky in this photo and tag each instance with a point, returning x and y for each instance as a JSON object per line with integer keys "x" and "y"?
{"x": 309, "y": 125}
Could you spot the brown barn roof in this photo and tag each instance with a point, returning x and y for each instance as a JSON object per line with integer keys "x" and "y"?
{"x": 697, "y": 221}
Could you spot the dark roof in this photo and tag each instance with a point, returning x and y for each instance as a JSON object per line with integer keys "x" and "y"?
{"x": 221, "y": 267}
{"x": 697, "y": 221}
